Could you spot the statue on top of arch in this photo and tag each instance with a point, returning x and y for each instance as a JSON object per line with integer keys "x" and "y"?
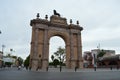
{"x": 56, "y": 13}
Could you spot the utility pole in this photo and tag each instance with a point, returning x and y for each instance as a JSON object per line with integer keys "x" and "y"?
{"x": 98, "y": 46}
{"x": 0, "y": 32}
{"x": 3, "y": 46}
{"x": 11, "y": 50}
{"x": 95, "y": 65}
{"x": 60, "y": 63}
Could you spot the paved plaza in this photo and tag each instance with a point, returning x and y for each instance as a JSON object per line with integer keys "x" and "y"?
{"x": 55, "y": 74}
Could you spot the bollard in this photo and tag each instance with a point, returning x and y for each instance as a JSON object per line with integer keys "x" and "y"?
{"x": 47, "y": 69}
{"x": 94, "y": 68}
{"x": 75, "y": 69}
{"x": 111, "y": 67}
{"x": 60, "y": 68}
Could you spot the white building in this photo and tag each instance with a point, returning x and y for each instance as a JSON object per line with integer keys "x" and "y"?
{"x": 108, "y": 53}
{"x": 87, "y": 59}
{"x": 9, "y": 59}
{"x": 94, "y": 53}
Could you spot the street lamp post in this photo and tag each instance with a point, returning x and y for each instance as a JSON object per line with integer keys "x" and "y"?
{"x": 0, "y": 32}
{"x": 95, "y": 65}
{"x": 11, "y": 50}
{"x": 60, "y": 64}
{"x": 3, "y": 46}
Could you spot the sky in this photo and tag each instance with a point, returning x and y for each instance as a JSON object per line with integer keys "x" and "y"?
{"x": 99, "y": 18}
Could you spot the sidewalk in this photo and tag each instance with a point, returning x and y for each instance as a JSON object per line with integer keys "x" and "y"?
{"x": 65, "y": 69}
{"x": 79, "y": 70}
{"x": 8, "y": 68}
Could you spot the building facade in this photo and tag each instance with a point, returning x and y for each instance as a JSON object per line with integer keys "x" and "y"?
{"x": 107, "y": 58}
{"x": 1, "y": 58}
{"x": 87, "y": 59}
{"x": 10, "y": 60}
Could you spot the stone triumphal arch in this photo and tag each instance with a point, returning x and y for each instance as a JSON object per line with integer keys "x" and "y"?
{"x": 44, "y": 29}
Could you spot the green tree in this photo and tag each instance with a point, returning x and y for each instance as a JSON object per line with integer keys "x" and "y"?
{"x": 101, "y": 53}
{"x": 26, "y": 62}
{"x": 55, "y": 62}
{"x": 8, "y": 64}
{"x": 8, "y": 55}
{"x": 60, "y": 54}
{"x": 52, "y": 57}
{"x": 20, "y": 61}
{"x": 15, "y": 57}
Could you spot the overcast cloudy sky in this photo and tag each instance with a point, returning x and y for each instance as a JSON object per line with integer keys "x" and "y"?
{"x": 99, "y": 18}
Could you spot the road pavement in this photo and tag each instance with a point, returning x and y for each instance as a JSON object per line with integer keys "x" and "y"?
{"x": 54, "y": 74}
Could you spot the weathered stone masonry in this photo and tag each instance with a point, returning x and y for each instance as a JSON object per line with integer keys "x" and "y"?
{"x": 43, "y": 30}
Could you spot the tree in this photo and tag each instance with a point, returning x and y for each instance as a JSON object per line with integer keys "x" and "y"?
{"x": 56, "y": 62}
{"x": 52, "y": 57}
{"x": 8, "y": 64}
{"x": 58, "y": 57}
{"x": 15, "y": 57}
{"x": 8, "y": 55}
{"x": 101, "y": 53}
{"x": 20, "y": 61}
{"x": 26, "y": 62}
{"x": 60, "y": 54}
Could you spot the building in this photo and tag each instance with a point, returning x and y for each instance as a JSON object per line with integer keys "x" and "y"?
{"x": 91, "y": 58}
{"x": 95, "y": 52}
{"x": 1, "y": 58}
{"x": 10, "y": 60}
{"x": 108, "y": 52}
{"x": 87, "y": 59}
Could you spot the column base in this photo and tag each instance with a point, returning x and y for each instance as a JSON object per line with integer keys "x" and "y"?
{"x": 34, "y": 64}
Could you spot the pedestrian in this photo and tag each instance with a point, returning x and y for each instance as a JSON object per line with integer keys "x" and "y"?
{"x": 75, "y": 68}
{"x": 19, "y": 67}
{"x": 111, "y": 67}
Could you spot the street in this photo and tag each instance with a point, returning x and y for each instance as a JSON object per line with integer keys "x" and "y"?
{"x": 14, "y": 74}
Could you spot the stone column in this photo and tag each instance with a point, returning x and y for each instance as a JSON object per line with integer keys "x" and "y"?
{"x": 68, "y": 64}
{"x": 45, "y": 50}
{"x": 36, "y": 43}
{"x": 34, "y": 59}
{"x": 80, "y": 61}
{"x": 72, "y": 61}
{"x": 32, "y": 47}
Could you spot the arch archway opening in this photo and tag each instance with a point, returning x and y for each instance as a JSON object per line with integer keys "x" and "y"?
{"x": 55, "y": 43}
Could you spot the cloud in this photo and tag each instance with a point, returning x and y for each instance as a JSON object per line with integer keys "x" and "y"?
{"x": 99, "y": 18}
